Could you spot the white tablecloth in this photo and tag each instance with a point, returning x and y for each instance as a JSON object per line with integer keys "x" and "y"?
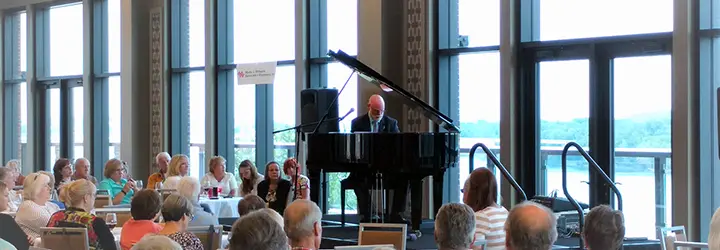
{"x": 223, "y": 207}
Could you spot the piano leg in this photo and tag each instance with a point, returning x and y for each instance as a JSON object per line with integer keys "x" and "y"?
{"x": 314, "y": 177}
{"x": 416, "y": 200}
{"x": 437, "y": 192}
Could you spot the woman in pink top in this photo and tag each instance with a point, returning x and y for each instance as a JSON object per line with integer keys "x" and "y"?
{"x": 145, "y": 208}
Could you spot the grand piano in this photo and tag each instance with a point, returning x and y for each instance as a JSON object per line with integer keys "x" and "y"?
{"x": 415, "y": 155}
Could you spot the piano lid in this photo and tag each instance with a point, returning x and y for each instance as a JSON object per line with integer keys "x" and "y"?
{"x": 386, "y": 85}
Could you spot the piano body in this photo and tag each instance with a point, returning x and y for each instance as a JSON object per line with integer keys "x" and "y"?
{"x": 412, "y": 154}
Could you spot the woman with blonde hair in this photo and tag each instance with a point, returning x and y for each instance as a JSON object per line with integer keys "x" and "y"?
{"x": 7, "y": 177}
{"x": 177, "y": 169}
{"x": 35, "y": 211}
{"x": 217, "y": 177}
{"x": 250, "y": 178}
{"x": 120, "y": 189}
{"x": 79, "y": 197}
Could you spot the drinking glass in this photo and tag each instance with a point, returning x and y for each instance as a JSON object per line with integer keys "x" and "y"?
{"x": 111, "y": 220}
{"x": 139, "y": 184}
{"x": 158, "y": 185}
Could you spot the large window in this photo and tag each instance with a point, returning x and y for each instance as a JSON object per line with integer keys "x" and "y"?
{"x": 284, "y": 112}
{"x": 187, "y": 59}
{"x": 53, "y": 105}
{"x": 564, "y": 112}
{"x": 642, "y": 141}
{"x": 66, "y": 40}
{"x": 15, "y": 60}
{"x": 479, "y": 95}
{"x": 112, "y": 80}
{"x": 566, "y": 19}
{"x": 77, "y": 119}
{"x": 339, "y": 23}
{"x": 478, "y": 23}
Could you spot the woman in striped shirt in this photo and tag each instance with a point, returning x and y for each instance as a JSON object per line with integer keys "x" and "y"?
{"x": 481, "y": 194}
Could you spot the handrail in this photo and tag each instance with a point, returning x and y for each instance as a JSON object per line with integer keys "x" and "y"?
{"x": 594, "y": 166}
{"x": 497, "y": 163}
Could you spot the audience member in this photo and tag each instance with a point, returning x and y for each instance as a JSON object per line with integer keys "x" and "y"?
{"x": 16, "y": 167}
{"x": 189, "y": 187}
{"x": 604, "y": 229}
{"x": 156, "y": 242}
{"x": 530, "y": 226}
{"x": 217, "y": 177}
{"x": 250, "y": 178}
{"x": 35, "y": 211}
{"x": 161, "y": 161}
{"x": 250, "y": 203}
{"x": 10, "y": 231}
{"x": 79, "y": 197}
{"x": 480, "y": 193}
{"x": 303, "y": 224}
{"x": 145, "y": 209}
{"x": 177, "y": 214}
{"x": 274, "y": 190}
{"x": 54, "y": 198}
{"x": 62, "y": 173}
{"x": 7, "y": 177}
{"x": 454, "y": 227}
{"x": 714, "y": 235}
{"x": 258, "y": 231}
{"x": 82, "y": 171}
{"x": 177, "y": 169}
{"x": 301, "y": 186}
{"x": 120, "y": 189}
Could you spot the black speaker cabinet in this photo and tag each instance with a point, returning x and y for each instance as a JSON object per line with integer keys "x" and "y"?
{"x": 314, "y": 103}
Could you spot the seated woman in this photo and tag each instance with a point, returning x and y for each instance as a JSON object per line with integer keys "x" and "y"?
{"x": 62, "y": 173}
{"x": 189, "y": 187}
{"x": 249, "y": 178}
{"x": 177, "y": 213}
{"x": 217, "y": 177}
{"x": 177, "y": 169}
{"x": 79, "y": 197}
{"x": 274, "y": 190}
{"x": 35, "y": 211}
{"x": 16, "y": 167}
{"x": 10, "y": 231}
{"x": 300, "y": 183}
{"x": 54, "y": 198}
{"x": 480, "y": 193}
{"x": 145, "y": 209}
{"x": 120, "y": 189}
{"x": 7, "y": 177}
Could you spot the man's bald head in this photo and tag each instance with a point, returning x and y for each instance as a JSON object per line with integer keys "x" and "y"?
{"x": 82, "y": 167}
{"x": 376, "y": 107}
{"x": 302, "y": 221}
{"x": 530, "y": 226}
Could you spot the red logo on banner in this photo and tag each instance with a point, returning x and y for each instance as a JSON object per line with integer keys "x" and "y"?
{"x": 241, "y": 74}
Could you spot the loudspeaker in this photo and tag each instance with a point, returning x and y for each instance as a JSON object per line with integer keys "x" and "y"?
{"x": 314, "y": 103}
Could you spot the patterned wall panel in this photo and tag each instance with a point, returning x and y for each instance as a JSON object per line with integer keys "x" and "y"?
{"x": 416, "y": 81}
{"x": 156, "y": 81}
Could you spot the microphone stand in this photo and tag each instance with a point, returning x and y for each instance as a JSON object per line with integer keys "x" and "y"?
{"x": 298, "y": 134}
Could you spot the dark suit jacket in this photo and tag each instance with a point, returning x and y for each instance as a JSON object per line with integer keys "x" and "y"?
{"x": 362, "y": 124}
{"x": 281, "y": 194}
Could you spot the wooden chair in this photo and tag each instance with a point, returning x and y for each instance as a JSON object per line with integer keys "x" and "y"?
{"x": 382, "y": 233}
{"x": 102, "y": 201}
{"x": 669, "y": 235}
{"x": 64, "y": 238}
{"x": 210, "y": 236}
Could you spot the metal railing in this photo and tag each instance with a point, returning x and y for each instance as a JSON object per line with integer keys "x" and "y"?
{"x": 491, "y": 157}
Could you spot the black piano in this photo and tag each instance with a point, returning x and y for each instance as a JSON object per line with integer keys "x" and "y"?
{"x": 414, "y": 154}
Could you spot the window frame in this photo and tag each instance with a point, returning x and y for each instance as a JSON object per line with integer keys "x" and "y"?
{"x": 11, "y": 83}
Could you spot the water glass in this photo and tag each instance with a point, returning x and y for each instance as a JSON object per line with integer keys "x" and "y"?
{"x": 139, "y": 184}
{"x": 158, "y": 185}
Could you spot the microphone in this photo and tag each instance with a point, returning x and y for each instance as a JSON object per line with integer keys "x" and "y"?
{"x": 348, "y": 113}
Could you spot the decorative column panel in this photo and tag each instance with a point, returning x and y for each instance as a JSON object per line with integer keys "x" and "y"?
{"x": 157, "y": 87}
{"x": 417, "y": 64}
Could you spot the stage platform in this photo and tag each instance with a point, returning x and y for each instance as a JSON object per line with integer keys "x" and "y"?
{"x": 336, "y": 235}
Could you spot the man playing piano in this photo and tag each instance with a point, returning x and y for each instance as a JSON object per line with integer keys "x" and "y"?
{"x": 376, "y": 122}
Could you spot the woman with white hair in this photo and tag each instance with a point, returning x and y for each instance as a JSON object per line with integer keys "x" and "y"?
{"x": 189, "y": 187}
{"x": 177, "y": 169}
{"x": 8, "y": 178}
{"x": 16, "y": 167}
{"x": 35, "y": 211}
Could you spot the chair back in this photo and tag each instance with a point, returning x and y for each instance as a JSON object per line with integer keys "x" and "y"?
{"x": 382, "y": 233}
{"x": 366, "y": 247}
{"x": 64, "y": 238}
{"x": 210, "y": 236}
{"x": 668, "y": 236}
{"x": 102, "y": 201}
